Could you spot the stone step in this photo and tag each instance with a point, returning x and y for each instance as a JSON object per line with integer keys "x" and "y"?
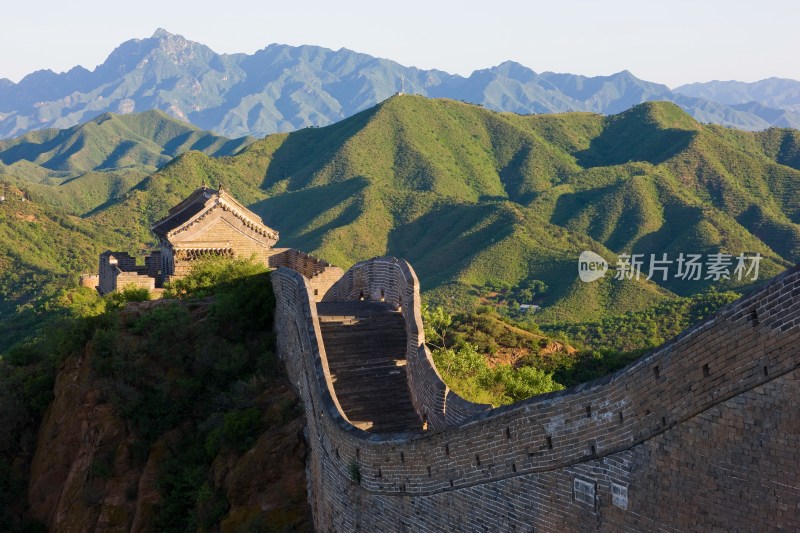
{"x": 350, "y": 394}
{"x": 391, "y": 330}
{"x": 349, "y": 356}
{"x": 388, "y": 412}
{"x": 365, "y": 344}
{"x": 370, "y": 382}
{"x": 372, "y": 338}
{"x": 356, "y": 320}
{"x": 366, "y": 374}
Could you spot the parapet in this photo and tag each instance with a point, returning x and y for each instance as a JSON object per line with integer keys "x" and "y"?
{"x": 697, "y": 434}
{"x": 119, "y": 270}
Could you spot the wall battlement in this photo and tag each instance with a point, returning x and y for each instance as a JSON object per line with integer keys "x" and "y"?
{"x": 119, "y": 269}
{"x": 697, "y": 434}
{"x": 321, "y": 275}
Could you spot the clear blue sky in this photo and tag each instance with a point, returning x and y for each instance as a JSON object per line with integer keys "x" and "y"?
{"x": 669, "y": 42}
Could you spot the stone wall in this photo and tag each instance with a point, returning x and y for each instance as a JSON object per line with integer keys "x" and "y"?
{"x": 321, "y": 274}
{"x": 118, "y": 270}
{"x": 700, "y": 434}
{"x": 136, "y": 280}
{"x": 91, "y": 281}
{"x": 393, "y": 281}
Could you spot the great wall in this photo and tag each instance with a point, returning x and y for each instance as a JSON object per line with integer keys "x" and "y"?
{"x": 699, "y": 434}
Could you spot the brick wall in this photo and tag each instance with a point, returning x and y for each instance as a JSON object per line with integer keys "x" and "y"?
{"x": 134, "y": 279}
{"x": 394, "y": 281}
{"x": 91, "y": 281}
{"x": 118, "y": 270}
{"x": 700, "y": 434}
{"x": 321, "y": 274}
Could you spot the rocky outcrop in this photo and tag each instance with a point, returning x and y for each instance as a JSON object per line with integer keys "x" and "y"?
{"x": 84, "y": 474}
{"x": 267, "y": 484}
{"x": 91, "y": 471}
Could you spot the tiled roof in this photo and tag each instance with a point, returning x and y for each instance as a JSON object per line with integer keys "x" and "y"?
{"x": 204, "y": 200}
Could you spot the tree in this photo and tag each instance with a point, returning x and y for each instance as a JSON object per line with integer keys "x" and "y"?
{"x": 436, "y": 322}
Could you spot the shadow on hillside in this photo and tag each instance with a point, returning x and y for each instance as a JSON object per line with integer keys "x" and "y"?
{"x": 624, "y": 141}
{"x": 134, "y": 152}
{"x": 570, "y": 205}
{"x": 442, "y": 242}
{"x": 304, "y": 153}
{"x": 293, "y": 212}
{"x": 27, "y": 151}
{"x": 515, "y": 179}
{"x": 782, "y": 237}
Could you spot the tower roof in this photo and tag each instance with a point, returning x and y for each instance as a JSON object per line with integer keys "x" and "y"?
{"x": 201, "y": 202}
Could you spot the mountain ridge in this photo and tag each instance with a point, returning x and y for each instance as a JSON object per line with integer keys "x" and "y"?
{"x": 473, "y": 198}
{"x": 285, "y": 88}
{"x": 83, "y": 166}
{"x": 479, "y": 202}
{"x": 156, "y": 136}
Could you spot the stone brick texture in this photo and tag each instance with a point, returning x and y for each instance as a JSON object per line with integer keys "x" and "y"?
{"x": 393, "y": 281}
{"x": 321, "y": 274}
{"x": 118, "y": 270}
{"x": 700, "y": 434}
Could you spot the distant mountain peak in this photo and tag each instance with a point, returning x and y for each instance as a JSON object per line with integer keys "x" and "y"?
{"x": 161, "y": 33}
{"x": 283, "y": 88}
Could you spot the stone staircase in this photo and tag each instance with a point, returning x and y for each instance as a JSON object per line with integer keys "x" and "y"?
{"x": 366, "y": 347}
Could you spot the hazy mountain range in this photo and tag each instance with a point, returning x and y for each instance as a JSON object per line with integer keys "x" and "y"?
{"x": 284, "y": 88}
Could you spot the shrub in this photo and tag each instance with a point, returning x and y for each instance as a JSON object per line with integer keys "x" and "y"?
{"x": 240, "y": 428}
{"x": 130, "y": 293}
{"x": 210, "y": 274}
{"x": 355, "y": 472}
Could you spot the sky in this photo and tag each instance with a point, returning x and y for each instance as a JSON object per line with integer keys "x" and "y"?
{"x": 673, "y": 42}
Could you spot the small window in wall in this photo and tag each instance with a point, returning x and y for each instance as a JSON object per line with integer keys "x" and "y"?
{"x": 619, "y": 495}
{"x": 584, "y": 491}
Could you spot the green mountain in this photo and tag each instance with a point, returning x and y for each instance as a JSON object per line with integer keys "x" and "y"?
{"x": 104, "y": 158}
{"x": 111, "y": 141}
{"x": 476, "y": 199}
{"x": 483, "y": 204}
{"x": 42, "y": 251}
